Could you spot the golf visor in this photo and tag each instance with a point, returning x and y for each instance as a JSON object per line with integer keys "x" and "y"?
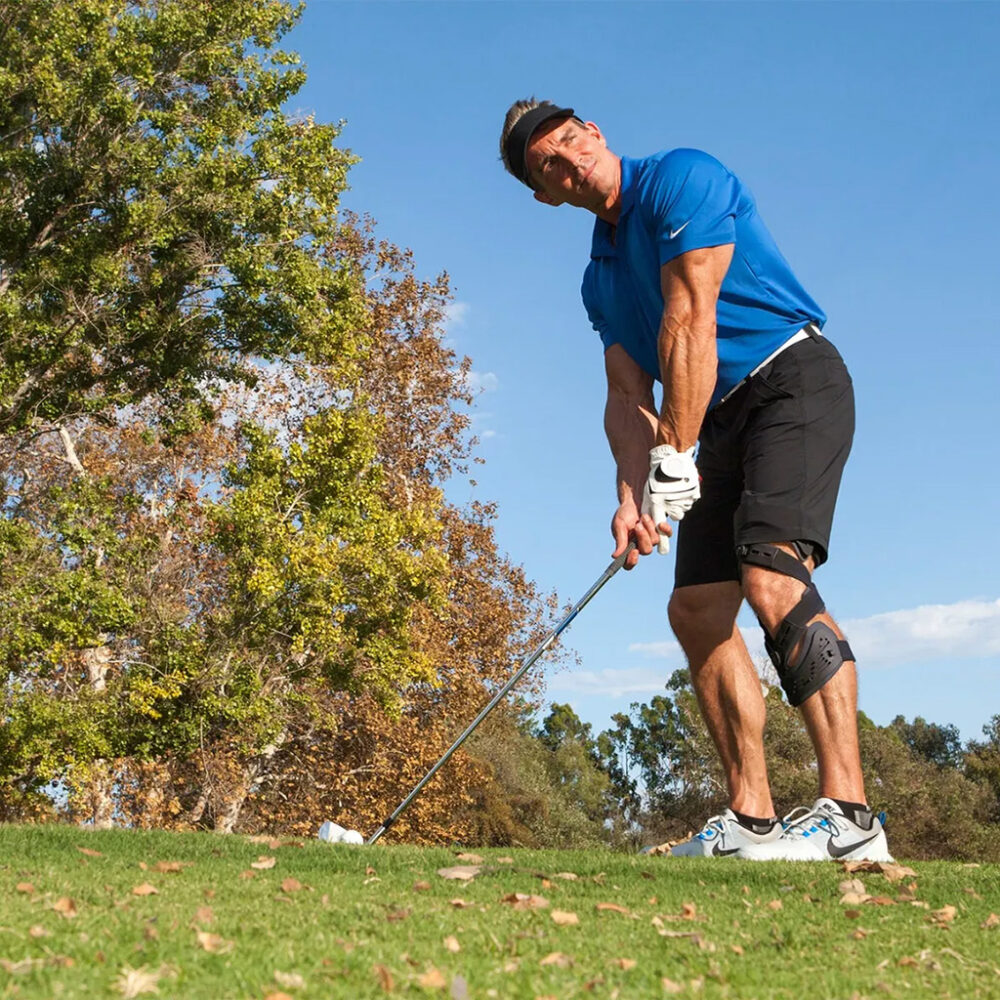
{"x": 521, "y": 133}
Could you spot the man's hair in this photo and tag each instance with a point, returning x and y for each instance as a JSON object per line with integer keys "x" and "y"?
{"x": 514, "y": 114}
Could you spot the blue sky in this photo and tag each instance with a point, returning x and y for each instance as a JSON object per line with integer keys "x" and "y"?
{"x": 869, "y": 135}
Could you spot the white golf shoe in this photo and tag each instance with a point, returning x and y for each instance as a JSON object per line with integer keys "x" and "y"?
{"x": 822, "y": 833}
{"x": 723, "y": 836}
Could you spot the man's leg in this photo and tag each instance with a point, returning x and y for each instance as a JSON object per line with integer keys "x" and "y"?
{"x": 703, "y": 617}
{"x": 831, "y": 713}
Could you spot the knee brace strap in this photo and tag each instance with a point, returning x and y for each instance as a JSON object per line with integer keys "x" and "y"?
{"x": 821, "y": 654}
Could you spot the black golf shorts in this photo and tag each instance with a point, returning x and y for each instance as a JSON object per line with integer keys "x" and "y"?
{"x": 770, "y": 458}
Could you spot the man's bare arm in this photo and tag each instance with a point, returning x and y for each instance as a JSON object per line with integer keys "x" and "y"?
{"x": 688, "y": 360}
{"x": 630, "y": 423}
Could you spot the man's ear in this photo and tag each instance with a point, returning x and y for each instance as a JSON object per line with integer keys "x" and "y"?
{"x": 596, "y": 132}
{"x": 545, "y": 199}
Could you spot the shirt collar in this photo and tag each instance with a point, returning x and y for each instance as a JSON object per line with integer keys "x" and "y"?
{"x": 601, "y": 244}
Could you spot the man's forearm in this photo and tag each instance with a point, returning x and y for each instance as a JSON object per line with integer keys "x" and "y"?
{"x": 630, "y": 424}
{"x": 688, "y": 362}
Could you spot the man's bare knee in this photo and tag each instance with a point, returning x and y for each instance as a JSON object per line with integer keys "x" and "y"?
{"x": 704, "y": 614}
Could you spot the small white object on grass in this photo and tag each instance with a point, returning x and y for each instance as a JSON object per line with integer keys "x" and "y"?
{"x": 332, "y": 833}
{"x": 352, "y": 837}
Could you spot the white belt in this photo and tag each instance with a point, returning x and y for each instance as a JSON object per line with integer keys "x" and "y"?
{"x": 809, "y": 330}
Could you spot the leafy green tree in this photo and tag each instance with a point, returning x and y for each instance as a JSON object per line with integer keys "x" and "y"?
{"x": 982, "y": 761}
{"x": 164, "y": 223}
{"x": 941, "y": 745}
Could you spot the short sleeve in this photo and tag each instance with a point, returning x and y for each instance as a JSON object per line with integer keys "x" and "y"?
{"x": 689, "y": 200}
{"x": 594, "y": 313}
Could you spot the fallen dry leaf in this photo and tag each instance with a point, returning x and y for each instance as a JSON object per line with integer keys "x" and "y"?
{"x": 145, "y": 889}
{"x": 892, "y": 871}
{"x": 290, "y": 980}
{"x": 452, "y": 945}
{"x": 461, "y": 873}
{"x": 65, "y": 907}
{"x": 90, "y": 852}
{"x": 134, "y": 982}
{"x": 775, "y": 905}
{"x": 504, "y": 861}
{"x": 854, "y": 898}
{"x": 614, "y": 908}
{"x": 991, "y": 921}
{"x": 859, "y": 934}
{"x": 24, "y": 887}
{"x": 37, "y": 931}
{"x": 168, "y": 866}
{"x": 214, "y": 943}
{"x": 852, "y": 914}
{"x": 432, "y": 979}
{"x": 852, "y": 885}
{"x": 564, "y": 918}
{"x": 291, "y": 885}
{"x": 568, "y": 876}
{"x": 688, "y": 911}
{"x": 459, "y": 904}
{"x": 248, "y": 874}
{"x": 669, "y": 986}
{"x": 625, "y": 963}
{"x": 384, "y": 977}
{"x": 882, "y": 901}
{"x": 943, "y": 916}
{"x": 473, "y": 859}
{"x": 421, "y": 886}
{"x": 908, "y": 960}
{"x": 278, "y": 995}
{"x": 264, "y": 862}
{"x": 397, "y": 913}
{"x": 736, "y": 949}
{"x": 558, "y": 959}
{"x": 524, "y": 901}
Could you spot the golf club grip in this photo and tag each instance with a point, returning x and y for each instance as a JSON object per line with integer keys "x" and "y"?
{"x": 613, "y": 568}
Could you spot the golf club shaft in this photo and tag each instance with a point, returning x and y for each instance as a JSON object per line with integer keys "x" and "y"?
{"x": 613, "y": 568}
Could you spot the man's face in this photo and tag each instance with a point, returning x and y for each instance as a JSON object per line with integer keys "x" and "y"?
{"x": 570, "y": 163}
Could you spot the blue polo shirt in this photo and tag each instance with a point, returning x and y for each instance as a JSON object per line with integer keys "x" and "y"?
{"x": 672, "y": 202}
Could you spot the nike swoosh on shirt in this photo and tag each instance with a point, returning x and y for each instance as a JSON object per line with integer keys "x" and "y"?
{"x": 839, "y": 852}
{"x": 679, "y": 229}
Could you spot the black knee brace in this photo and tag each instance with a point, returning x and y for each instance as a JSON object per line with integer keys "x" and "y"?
{"x": 822, "y": 654}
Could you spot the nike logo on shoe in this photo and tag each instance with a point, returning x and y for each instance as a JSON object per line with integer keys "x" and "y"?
{"x": 720, "y": 853}
{"x": 838, "y": 852}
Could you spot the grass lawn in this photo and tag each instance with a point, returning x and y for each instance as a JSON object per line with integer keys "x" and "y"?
{"x": 127, "y": 913}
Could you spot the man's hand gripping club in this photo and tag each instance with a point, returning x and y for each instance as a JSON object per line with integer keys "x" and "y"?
{"x": 671, "y": 488}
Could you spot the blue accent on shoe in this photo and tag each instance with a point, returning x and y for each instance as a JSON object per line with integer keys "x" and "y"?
{"x": 881, "y": 817}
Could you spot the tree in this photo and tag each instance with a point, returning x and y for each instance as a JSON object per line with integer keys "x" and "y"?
{"x": 941, "y": 745}
{"x": 164, "y": 224}
{"x": 982, "y": 761}
{"x": 226, "y": 415}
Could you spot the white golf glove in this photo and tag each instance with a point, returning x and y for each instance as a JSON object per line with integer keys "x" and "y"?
{"x": 671, "y": 487}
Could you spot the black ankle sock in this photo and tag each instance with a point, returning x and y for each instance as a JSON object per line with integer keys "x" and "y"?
{"x": 856, "y": 812}
{"x": 755, "y": 824}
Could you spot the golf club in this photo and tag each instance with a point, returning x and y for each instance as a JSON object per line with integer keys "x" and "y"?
{"x": 613, "y": 568}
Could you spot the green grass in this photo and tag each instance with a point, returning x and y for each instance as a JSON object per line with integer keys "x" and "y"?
{"x": 362, "y": 908}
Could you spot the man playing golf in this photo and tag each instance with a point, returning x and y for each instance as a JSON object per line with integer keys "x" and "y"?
{"x": 686, "y": 286}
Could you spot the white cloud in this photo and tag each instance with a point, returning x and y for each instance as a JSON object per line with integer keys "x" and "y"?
{"x": 482, "y": 382}
{"x": 948, "y": 632}
{"x": 455, "y": 314}
{"x": 964, "y": 630}
{"x": 656, "y": 650}
{"x": 616, "y": 683}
